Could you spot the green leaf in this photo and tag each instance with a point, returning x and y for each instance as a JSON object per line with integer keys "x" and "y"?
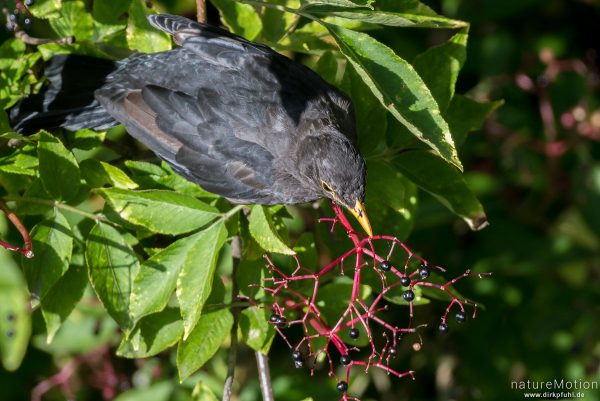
{"x": 161, "y": 391}
{"x": 195, "y": 280}
{"x": 396, "y": 84}
{"x": 153, "y": 334}
{"x": 439, "y": 67}
{"x": 157, "y": 278}
{"x": 15, "y": 320}
{"x": 465, "y": 115}
{"x": 445, "y": 183}
{"x": 112, "y": 266}
{"x": 264, "y": 232}
{"x": 203, "y": 342}
{"x": 391, "y": 199}
{"x": 85, "y": 139}
{"x": 202, "y": 392}
{"x": 309, "y": 5}
{"x": 52, "y": 243}
{"x": 241, "y": 19}
{"x": 97, "y": 174}
{"x": 62, "y": 299}
{"x": 58, "y": 168}
{"x": 73, "y": 20}
{"x": 371, "y": 116}
{"x": 277, "y": 23}
{"x": 163, "y": 212}
{"x": 46, "y": 8}
{"x": 255, "y": 330}
{"x": 388, "y": 18}
{"x": 141, "y": 35}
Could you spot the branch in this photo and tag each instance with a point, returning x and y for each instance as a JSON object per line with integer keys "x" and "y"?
{"x": 228, "y": 386}
{"x": 201, "y": 10}
{"x": 264, "y": 376}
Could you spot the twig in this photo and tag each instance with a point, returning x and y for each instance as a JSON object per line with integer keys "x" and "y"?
{"x": 228, "y": 386}
{"x": 26, "y": 251}
{"x": 30, "y": 40}
{"x": 201, "y": 10}
{"x": 24, "y": 36}
{"x": 264, "y": 376}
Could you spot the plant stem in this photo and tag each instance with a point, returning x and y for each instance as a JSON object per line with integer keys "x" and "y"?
{"x": 201, "y": 10}
{"x": 14, "y": 219}
{"x": 264, "y": 376}
{"x": 236, "y": 253}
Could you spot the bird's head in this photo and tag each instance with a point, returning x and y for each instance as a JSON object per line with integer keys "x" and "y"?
{"x": 340, "y": 174}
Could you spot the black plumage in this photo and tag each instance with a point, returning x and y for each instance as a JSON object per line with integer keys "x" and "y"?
{"x": 232, "y": 115}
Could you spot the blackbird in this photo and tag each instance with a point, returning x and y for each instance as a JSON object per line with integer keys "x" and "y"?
{"x": 234, "y": 116}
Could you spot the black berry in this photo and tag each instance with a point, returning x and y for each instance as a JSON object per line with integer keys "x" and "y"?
{"x": 342, "y": 387}
{"x": 461, "y": 316}
{"x": 386, "y": 266}
{"x": 424, "y": 271}
{"x": 27, "y": 22}
{"x": 281, "y": 321}
{"x": 354, "y": 333}
{"x": 10, "y": 26}
{"x": 405, "y": 281}
{"x": 408, "y": 295}
{"x": 345, "y": 360}
{"x": 29, "y": 3}
{"x": 274, "y": 318}
{"x": 443, "y": 328}
{"x": 13, "y": 17}
{"x": 297, "y": 355}
{"x": 392, "y": 351}
{"x": 298, "y": 363}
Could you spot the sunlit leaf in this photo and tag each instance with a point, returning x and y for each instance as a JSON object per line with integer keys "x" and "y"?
{"x": 203, "y": 342}
{"x": 396, "y": 84}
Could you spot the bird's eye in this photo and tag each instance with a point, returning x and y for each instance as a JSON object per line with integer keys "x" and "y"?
{"x": 326, "y": 187}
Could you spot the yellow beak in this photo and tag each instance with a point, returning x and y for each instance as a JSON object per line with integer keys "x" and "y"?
{"x": 361, "y": 215}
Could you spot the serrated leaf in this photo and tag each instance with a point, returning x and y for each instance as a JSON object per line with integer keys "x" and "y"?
{"x": 439, "y": 67}
{"x": 396, "y": 84}
{"x": 62, "y": 298}
{"x": 59, "y": 171}
{"x": 153, "y": 334}
{"x": 52, "y": 244}
{"x": 15, "y": 320}
{"x": 389, "y": 18}
{"x": 241, "y": 19}
{"x": 311, "y": 4}
{"x": 263, "y": 231}
{"x": 443, "y": 182}
{"x": 203, "y": 342}
{"x": 97, "y": 174}
{"x": 112, "y": 266}
{"x": 163, "y": 212}
{"x": 141, "y": 35}
{"x": 73, "y": 20}
{"x": 195, "y": 279}
{"x": 255, "y": 330}
{"x": 157, "y": 278}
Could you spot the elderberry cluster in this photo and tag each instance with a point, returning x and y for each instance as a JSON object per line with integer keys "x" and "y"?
{"x": 296, "y": 302}
{"x": 20, "y": 16}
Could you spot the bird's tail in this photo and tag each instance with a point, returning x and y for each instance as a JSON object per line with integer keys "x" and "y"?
{"x": 68, "y": 101}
